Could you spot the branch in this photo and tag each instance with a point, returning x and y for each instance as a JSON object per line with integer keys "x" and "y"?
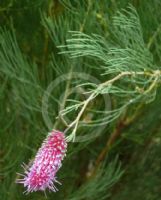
{"x": 155, "y": 74}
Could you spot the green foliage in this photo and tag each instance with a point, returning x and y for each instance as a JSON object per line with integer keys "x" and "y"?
{"x": 92, "y": 70}
{"x": 100, "y": 183}
{"x": 125, "y": 57}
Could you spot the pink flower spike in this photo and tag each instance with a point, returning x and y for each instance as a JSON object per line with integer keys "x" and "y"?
{"x": 42, "y": 173}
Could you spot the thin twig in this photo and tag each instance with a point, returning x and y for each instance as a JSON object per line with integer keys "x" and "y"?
{"x": 110, "y": 142}
{"x": 65, "y": 99}
{"x": 156, "y": 74}
{"x": 70, "y": 76}
{"x": 153, "y": 37}
{"x": 122, "y": 124}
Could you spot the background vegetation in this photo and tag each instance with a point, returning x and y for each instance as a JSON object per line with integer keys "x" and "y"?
{"x": 124, "y": 160}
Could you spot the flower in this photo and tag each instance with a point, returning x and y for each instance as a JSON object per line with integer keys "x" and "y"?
{"x": 42, "y": 173}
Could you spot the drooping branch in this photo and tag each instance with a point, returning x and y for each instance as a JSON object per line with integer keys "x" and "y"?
{"x": 156, "y": 75}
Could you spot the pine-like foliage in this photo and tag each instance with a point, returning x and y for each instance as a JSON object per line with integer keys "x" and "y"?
{"x": 93, "y": 71}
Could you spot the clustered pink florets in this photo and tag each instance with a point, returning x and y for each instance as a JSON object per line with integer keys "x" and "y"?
{"x": 41, "y": 174}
